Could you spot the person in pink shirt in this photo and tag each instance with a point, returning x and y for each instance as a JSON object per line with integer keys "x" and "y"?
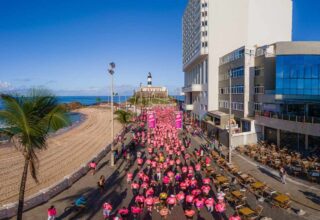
{"x": 206, "y": 181}
{"x": 149, "y": 203}
{"x": 180, "y": 197}
{"x": 209, "y": 204}
{"x": 149, "y": 192}
{"x": 171, "y": 201}
{"x": 135, "y": 188}
{"x": 189, "y": 199}
{"x": 206, "y": 189}
{"x": 198, "y": 167}
{"x": 136, "y": 211}
{"x": 123, "y": 212}
{"x": 92, "y": 166}
{"x": 140, "y": 162}
{"x": 129, "y": 177}
{"x": 235, "y": 216}
{"x": 199, "y": 203}
{"x": 107, "y": 208}
{"x": 52, "y": 212}
{"x": 220, "y": 208}
{"x": 140, "y": 200}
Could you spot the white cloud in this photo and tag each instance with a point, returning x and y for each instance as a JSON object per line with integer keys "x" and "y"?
{"x": 5, "y": 86}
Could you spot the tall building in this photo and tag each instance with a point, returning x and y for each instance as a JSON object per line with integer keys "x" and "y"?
{"x": 275, "y": 96}
{"x": 213, "y": 28}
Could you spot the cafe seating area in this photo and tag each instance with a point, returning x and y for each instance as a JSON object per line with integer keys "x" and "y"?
{"x": 237, "y": 185}
{"x": 307, "y": 168}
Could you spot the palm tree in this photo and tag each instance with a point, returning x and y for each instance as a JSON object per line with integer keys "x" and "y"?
{"x": 123, "y": 117}
{"x": 28, "y": 120}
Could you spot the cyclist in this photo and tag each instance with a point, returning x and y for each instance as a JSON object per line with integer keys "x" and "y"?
{"x": 81, "y": 202}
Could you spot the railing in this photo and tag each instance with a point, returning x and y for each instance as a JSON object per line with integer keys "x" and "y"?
{"x": 288, "y": 117}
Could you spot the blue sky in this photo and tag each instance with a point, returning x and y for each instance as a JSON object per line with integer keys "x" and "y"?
{"x": 67, "y": 45}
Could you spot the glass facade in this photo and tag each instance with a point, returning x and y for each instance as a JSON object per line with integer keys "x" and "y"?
{"x": 298, "y": 75}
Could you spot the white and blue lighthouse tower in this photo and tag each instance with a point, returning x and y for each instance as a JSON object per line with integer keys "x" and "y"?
{"x": 149, "y": 80}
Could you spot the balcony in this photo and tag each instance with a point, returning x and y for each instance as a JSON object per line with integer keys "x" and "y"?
{"x": 187, "y": 107}
{"x": 194, "y": 88}
{"x": 297, "y": 124}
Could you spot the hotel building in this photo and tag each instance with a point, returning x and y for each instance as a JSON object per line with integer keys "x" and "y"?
{"x": 212, "y": 28}
{"x": 275, "y": 96}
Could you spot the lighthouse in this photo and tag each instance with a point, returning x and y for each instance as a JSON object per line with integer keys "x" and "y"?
{"x": 149, "y": 80}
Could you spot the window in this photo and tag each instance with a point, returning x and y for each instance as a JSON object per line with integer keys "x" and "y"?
{"x": 259, "y": 89}
{"x": 204, "y": 5}
{"x": 257, "y": 106}
{"x": 258, "y": 71}
{"x": 205, "y": 44}
{"x": 238, "y": 106}
{"x": 204, "y": 23}
{"x": 204, "y": 33}
{"x": 298, "y": 75}
{"x": 236, "y": 72}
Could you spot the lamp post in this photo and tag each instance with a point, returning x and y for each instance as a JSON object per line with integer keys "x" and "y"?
{"x": 111, "y": 71}
{"x": 230, "y": 130}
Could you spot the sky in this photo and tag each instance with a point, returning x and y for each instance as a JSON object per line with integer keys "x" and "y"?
{"x": 66, "y": 46}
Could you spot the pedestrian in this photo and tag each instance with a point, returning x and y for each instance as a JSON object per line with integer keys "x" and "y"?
{"x": 189, "y": 213}
{"x": 92, "y": 166}
{"x": 123, "y": 212}
{"x": 107, "y": 208}
{"x": 209, "y": 204}
{"x": 220, "y": 208}
{"x": 164, "y": 212}
{"x": 101, "y": 183}
{"x": 283, "y": 175}
{"x": 136, "y": 211}
{"x": 52, "y": 212}
{"x": 135, "y": 188}
{"x": 235, "y": 216}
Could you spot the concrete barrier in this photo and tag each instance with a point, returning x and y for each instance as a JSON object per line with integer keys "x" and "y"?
{"x": 3, "y": 212}
{"x": 12, "y": 209}
{"x": 59, "y": 187}
{"x": 33, "y": 201}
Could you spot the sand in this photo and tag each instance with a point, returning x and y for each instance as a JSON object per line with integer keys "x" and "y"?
{"x": 65, "y": 153}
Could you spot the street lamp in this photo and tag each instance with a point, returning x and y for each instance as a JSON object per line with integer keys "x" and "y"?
{"x": 230, "y": 130}
{"x": 111, "y": 71}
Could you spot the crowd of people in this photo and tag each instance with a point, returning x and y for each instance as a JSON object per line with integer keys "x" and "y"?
{"x": 168, "y": 175}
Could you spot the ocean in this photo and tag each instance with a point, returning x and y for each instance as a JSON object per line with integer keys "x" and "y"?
{"x": 90, "y": 100}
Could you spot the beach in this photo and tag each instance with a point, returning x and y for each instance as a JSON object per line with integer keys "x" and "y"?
{"x": 65, "y": 153}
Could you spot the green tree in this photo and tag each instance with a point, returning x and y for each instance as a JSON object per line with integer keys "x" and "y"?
{"x": 98, "y": 100}
{"x": 28, "y": 120}
{"x": 123, "y": 117}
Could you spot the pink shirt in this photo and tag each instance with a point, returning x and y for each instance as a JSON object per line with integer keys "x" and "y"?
{"x": 93, "y": 165}
{"x": 52, "y": 212}
{"x": 209, "y": 202}
{"x": 234, "y": 218}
